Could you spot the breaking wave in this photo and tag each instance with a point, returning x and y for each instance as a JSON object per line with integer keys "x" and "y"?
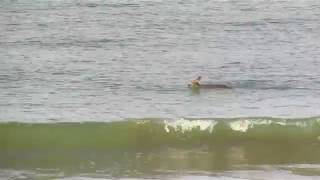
{"x": 148, "y": 133}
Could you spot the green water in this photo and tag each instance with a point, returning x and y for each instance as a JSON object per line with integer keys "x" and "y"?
{"x": 135, "y": 134}
{"x": 140, "y": 148}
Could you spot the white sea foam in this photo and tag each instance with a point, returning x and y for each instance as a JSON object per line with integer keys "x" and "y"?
{"x": 241, "y": 125}
{"x": 184, "y": 125}
{"x": 245, "y": 124}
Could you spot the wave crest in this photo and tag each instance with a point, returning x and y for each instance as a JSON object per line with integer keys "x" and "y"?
{"x": 149, "y": 133}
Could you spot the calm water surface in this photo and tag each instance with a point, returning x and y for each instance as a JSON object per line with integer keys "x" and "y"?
{"x": 109, "y": 60}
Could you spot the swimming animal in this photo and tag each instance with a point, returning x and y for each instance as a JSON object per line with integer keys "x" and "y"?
{"x": 210, "y": 86}
{"x": 195, "y": 84}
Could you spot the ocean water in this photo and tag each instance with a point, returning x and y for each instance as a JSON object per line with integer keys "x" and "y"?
{"x": 97, "y": 89}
